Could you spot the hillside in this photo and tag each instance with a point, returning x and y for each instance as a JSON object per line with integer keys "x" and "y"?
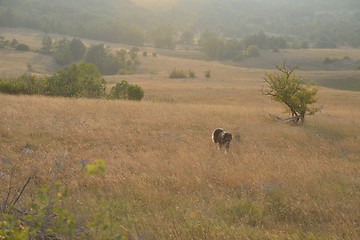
{"x": 163, "y": 177}
{"x": 166, "y": 180}
{"x": 139, "y": 21}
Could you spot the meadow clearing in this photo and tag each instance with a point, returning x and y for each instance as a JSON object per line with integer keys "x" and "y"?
{"x": 164, "y": 178}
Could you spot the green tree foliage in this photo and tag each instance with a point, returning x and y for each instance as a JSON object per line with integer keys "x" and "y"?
{"x": 132, "y": 34}
{"x": 325, "y": 42}
{"x": 124, "y": 90}
{"x": 62, "y": 54}
{"x": 46, "y": 44}
{"x": 66, "y": 51}
{"x": 262, "y": 41}
{"x": 77, "y": 80}
{"x": 187, "y": 37}
{"x": 102, "y": 57}
{"x": 252, "y": 51}
{"x": 258, "y": 40}
{"x": 164, "y": 36}
{"x": 25, "y": 84}
{"x": 77, "y": 49}
{"x": 285, "y": 87}
{"x": 211, "y": 43}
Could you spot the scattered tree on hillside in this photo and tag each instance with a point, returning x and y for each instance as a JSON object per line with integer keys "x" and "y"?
{"x": 77, "y": 49}
{"x": 62, "y": 54}
{"x": 47, "y": 44}
{"x": 101, "y": 56}
{"x": 164, "y": 36}
{"x": 252, "y": 51}
{"x": 187, "y": 37}
{"x": 66, "y": 51}
{"x": 285, "y": 87}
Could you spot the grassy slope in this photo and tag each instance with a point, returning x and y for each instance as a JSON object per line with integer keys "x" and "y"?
{"x": 166, "y": 180}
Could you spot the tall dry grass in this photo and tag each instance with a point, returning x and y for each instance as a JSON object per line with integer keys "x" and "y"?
{"x": 166, "y": 180}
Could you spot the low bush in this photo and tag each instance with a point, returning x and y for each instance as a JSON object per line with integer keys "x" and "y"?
{"x": 124, "y": 90}
{"x": 182, "y": 74}
{"x": 329, "y": 60}
{"x": 178, "y": 74}
{"x": 22, "y": 47}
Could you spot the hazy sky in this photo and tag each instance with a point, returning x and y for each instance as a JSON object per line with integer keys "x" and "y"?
{"x": 155, "y": 3}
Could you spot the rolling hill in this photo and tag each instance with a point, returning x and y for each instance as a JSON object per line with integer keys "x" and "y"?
{"x": 163, "y": 177}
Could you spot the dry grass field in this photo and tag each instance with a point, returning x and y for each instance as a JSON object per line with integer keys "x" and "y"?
{"x": 164, "y": 177}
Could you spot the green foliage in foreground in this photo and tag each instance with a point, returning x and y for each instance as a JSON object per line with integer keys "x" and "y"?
{"x": 45, "y": 217}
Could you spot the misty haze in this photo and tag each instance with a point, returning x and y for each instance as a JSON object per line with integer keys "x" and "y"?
{"x": 179, "y": 119}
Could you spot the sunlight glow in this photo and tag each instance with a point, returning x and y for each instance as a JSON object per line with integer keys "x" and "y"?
{"x": 156, "y": 4}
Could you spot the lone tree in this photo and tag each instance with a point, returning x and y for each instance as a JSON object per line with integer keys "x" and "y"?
{"x": 285, "y": 87}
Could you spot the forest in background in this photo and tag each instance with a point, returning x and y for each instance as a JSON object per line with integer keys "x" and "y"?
{"x": 318, "y": 22}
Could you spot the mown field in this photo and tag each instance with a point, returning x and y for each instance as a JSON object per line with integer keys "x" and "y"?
{"x": 164, "y": 178}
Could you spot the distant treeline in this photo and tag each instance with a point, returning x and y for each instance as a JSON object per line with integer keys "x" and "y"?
{"x": 67, "y": 51}
{"x": 319, "y": 23}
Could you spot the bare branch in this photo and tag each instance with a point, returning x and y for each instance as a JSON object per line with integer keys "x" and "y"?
{"x": 21, "y": 192}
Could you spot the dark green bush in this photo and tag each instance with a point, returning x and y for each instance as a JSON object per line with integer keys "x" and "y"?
{"x": 178, "y": 74}
{"x": 22, "y": 47}
{"x": 124, "y": 90}
{"x": 135, "y": 92}
{"x": 329, "y": 60}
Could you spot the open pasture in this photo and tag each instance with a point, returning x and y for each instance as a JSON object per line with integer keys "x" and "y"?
{"x": 164, "y": 177}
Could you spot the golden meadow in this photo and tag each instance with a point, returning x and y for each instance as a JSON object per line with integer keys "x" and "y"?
{"x": 164, "y": 178}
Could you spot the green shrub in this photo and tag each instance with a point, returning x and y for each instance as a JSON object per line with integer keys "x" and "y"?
{"x": 253, "y": 51}
{"x": 135, "y": 92}
{"x": 178, "y": 74}
{"x": 25, "y": 84}
{"x": 124, "y": 90}
{"x": 328, "y": 60}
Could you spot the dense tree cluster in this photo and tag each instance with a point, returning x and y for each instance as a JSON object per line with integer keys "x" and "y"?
{"x": 218, "y": 47}
{"x": 66, "y": 52}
